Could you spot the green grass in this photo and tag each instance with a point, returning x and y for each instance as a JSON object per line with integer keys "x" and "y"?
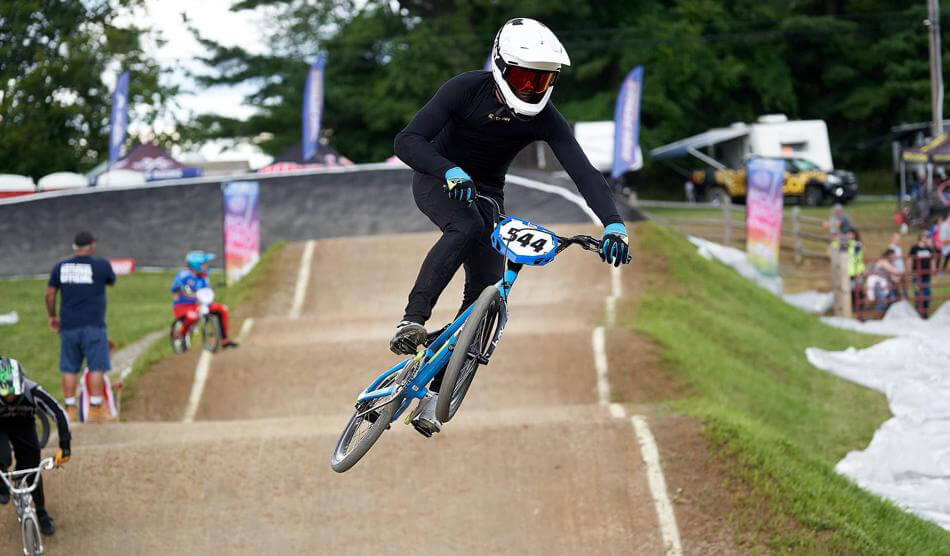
{"x": 779, "y": 424}
{"x": 864, "y": 214}
{"x": 138, "y": 304}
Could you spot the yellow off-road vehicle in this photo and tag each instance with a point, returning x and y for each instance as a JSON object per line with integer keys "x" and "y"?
{"x": 804, "y": 182}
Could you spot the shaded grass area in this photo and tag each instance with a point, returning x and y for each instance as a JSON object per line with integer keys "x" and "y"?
{"x": 778, "y": 424}
{"x": 233, "y": 296}
{"x": 139, "y": 303}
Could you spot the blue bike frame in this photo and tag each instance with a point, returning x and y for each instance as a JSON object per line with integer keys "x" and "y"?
{"x": 436, "y": 355}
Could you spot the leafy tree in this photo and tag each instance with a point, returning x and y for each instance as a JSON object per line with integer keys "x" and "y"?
{"x": 859, "y": 64}
{"x": 54, "y": 105}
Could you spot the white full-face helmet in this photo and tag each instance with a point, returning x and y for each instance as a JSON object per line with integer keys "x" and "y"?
{"x": 526, "y": 60}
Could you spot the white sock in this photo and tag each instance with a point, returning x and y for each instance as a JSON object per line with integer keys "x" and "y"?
{"x": 95, "y": 400}
{"x": 70, "y": 401}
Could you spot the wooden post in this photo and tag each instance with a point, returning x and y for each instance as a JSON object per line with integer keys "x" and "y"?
{"x": 840, "y": 283}
{"x": 727, "y": 221}
{"x": 797, "y": 231}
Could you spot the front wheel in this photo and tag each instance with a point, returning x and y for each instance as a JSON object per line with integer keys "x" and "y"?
{"x": 471, "y": 350}
{"x": 814, "y": 196}
{"x": 364, "y": 429}
{"x": 32, "y": 545}
{"x": 211, "y": 332}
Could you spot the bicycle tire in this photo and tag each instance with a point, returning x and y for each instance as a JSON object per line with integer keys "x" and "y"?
{"x": 341, "y": 459}
{"x": 179, "y": 341}
{"x": 41, "y": 418}
{"x": 30, "y": 530}
{"x": 211, "y": 332}
{"x": 461, "y": 369}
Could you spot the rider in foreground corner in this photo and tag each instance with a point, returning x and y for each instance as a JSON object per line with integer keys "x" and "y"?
{"x": 20, "y": 399}
{"x": 460, "y": 145}
{"x": 187, "y": 283}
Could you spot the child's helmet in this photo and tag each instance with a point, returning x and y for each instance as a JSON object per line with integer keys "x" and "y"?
{"x": 11, "y": 378}
{"x": 196, "y": 259}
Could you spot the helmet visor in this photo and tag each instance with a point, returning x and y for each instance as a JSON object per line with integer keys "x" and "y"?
{"x": 529, "y": 84}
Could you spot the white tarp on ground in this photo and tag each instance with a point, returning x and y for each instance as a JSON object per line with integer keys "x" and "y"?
{"x": 810, "y": 301}
{"x": 908, "y": 460}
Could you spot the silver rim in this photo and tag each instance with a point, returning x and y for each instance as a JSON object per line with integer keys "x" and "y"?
{"x": 31, "y": 537}
{"x": 479, "y": 345}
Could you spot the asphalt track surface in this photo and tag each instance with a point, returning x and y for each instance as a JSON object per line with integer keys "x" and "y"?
{"x": 532, "y": 463}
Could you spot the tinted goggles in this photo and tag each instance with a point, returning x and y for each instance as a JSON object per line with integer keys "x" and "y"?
{"x": 527, "y": 80}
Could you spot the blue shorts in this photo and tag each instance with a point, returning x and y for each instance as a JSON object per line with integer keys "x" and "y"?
{"x": 86, "y": 342}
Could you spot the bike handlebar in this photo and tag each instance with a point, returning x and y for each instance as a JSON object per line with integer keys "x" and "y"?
{"x": 588, "y": 243}
{"x": 8, "y": 478}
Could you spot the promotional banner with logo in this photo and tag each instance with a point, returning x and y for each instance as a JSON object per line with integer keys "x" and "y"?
{"x": 242, "y": 228}
{"x": 627, "y": 154}
{"x": 312, "y": 108}
{"x": 764, "y": 199}
{"x": 119, "y": 120}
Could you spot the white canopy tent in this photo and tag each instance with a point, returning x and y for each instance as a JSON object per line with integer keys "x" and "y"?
{"x": 118, "y": 178}
{"x": 12, "y": 185}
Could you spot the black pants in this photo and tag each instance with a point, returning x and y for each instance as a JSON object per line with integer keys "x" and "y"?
{"x": 21, "y": 433}
{"x": 466, "y": 240}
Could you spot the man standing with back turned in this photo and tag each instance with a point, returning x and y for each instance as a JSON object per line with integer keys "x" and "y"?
{"x": 81, "y": 322}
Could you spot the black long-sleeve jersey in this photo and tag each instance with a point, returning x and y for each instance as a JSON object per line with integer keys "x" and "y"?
{"x": 36, "y": 398}
{"x": 466, "y": 125}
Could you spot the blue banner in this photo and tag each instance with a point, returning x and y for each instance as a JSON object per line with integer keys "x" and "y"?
{"x": 312, "y": 109}
{"x": 119, "y": 120}
{"x": 627, "y": 124}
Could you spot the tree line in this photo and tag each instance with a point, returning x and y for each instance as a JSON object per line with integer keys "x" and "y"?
{"x": 861, "y": 65}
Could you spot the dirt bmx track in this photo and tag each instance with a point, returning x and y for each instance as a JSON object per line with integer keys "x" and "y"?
{"x": 532, "y": 464}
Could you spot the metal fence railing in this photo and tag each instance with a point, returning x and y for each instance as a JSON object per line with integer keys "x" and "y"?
{"x": 873, "y": 293}
{"x": 803, "y": 236}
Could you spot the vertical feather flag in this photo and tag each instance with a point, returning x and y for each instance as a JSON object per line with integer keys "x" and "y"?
{"x": 312, "y": 109}
{"x": 627, "y": 124}
{"x": 119, "y": 120}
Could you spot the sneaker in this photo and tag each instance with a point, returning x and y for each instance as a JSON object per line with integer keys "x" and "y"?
{"x": 46, "y": 523}
{"x": 424, "y": 419}
{"x": 229, "y": 344}
{"x": 407, "y": 338}
{"x": 73, "y": 413}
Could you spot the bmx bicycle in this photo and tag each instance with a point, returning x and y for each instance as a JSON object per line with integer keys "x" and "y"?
{"x": 210, "y": 325}
{"x": 460, "y": 348}
{"x": 21, "y": 487}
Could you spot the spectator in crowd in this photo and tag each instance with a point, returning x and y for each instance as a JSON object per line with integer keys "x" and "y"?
{"x": 856, "y": 268}
{"x": 922, "y": 263}
{"x": 898, "y": 263}
{"x": 944, "y": 235}
{"x": 690, "y": 189}
{"x": 918, "y": 185}
{"x": 81, "y": 323}
{"x": 838, "y": 224}
{"x": 882, "y": 281}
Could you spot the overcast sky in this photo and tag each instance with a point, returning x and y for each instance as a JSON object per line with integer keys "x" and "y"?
{"x": 215, "y": 22}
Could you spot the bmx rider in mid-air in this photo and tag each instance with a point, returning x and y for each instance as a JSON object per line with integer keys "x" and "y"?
{"x": 460, "y": 145}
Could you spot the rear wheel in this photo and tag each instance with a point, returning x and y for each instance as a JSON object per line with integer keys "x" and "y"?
{"x": 470, "y": 351}
{"x": 31, "y": 536}
{"x": 211, "y": 332}
{"x": 814, "y": 196}
{"x": 364, "y": 429}
{"x": 717, "y": 196}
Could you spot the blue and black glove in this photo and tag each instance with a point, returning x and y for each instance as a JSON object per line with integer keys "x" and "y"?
{"x": 460, "y": 186}
{"x": 614, "y": 247}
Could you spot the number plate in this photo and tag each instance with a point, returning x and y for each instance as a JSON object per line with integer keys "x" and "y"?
{"x": 524, "y": 242}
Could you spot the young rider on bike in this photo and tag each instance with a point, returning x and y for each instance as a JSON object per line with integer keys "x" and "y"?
{"x": 460, "y": 145}
{"x": 20, "y": 399}
{"x": 185, "y": 286}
